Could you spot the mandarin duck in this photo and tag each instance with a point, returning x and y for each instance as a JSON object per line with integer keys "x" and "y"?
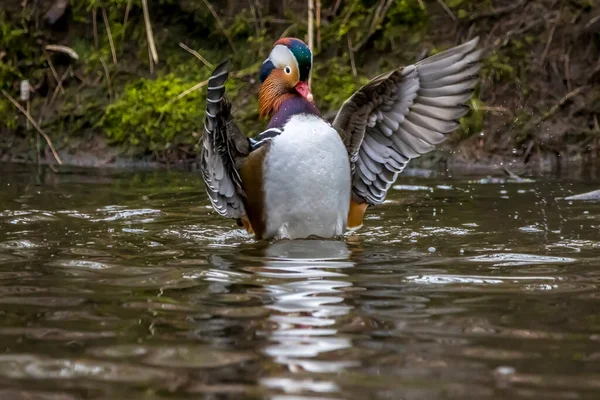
{"x": 304, "y": 176}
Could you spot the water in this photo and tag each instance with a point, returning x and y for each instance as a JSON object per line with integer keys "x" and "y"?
{"x": 121, "y": 285}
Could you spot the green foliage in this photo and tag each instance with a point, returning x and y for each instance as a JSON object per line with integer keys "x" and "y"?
{"x": 333, "y": 83}
{"x": 465, "y": 8}
{"x": 8, "y": 118}
{"x": 403, "y": 17}
{"x": 148, "y": 116}
{"x": 144, "y": 115}
{"x": 507, "y": 63}
{"x": 472, "y": 123}
{"x": 17, "y": 51}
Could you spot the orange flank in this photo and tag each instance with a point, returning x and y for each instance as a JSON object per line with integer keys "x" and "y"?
{"x": 356, "y": 214}
{"x": 247, "y": 224}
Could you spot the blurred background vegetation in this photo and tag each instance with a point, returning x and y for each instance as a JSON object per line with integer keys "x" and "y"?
{"x": 103, "y": 95}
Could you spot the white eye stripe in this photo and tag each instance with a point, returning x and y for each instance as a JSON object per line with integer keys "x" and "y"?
{"x": 281, "y": 56}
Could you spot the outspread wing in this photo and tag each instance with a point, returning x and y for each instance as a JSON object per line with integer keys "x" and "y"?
{"x": 404, "y": 113}
{"x": 224, "y": 149}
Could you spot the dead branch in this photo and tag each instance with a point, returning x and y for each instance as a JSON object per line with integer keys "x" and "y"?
{"x": 514, "y": 32}
{"x": 35, "y": 125}
{"x": 62, "y": 79}
{"x": 197, "y": 55}
{"x": 149, "y": 34}
{"x": 351, "y": 53}
{"x": 498, "y": 11}
{"x": 54, "y": 73}
{"x": 110, "y": 38}
{"x": 380, "y": 13}
{"x": 562, "y": 101}
{"x": 127, "y": 11}
{"x": 220, "y": 23}
{"x": 318, "y": 23}
{"x": 63, "y": 49}
{"x": 568, "y": 68}
{"x": 447, "y": 9}
{"x": 311, "y": 18}
{"x": 549, "y": 42}
{"x": 108, "y": 81}
{"x": 95, "y": 29}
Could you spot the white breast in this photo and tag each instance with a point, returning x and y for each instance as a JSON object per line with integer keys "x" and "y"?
{"x": 306, "y": 180}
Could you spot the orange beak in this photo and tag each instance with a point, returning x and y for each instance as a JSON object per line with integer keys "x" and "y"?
{"x": 304, "y": 91}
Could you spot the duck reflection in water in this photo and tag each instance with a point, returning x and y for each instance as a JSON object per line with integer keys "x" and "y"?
{"x": 307, "y": 297}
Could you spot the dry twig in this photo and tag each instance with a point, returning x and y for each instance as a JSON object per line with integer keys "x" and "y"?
{"x": 318, "y": 23}
{"x": 259, "y": 14}
{"x": 310, "y": 23}
{"x": 513, "y": 32}
{"x": 62, "y": 79}
{"x": 378, "y": 17}
{"x": 568, "y": 68}
{"x": 287, "y": 31}
{"x": 562, "y": 101}
{"x": 35, "y": 125}
{"x": 108, "y": 81}
{"x": 188, "y": 91}
{"x": 447, "y": 9}
{"x": 150, "y": 62}
{"x": 549, "y": 42}
{"x": 498, "y": 11}
{"x": 63, "y": 49}
{"x": 351, "y": 53}
{"x": 497, "y": 110}
{"x": 127, "y": 10}
{"x": 149, "y": 34}
{"x": 110, "y": 38}
{"x": 95, "y": 29}
{"x": 220, "y": 23}
{"x": 257, "y": 21}
{"x": 197, "y": 86}
{"x": 197, "y": 55}
{"x": 54, "y": 73}
{"x": 311, "y": 17}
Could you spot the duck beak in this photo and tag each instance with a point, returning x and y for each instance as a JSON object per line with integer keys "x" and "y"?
{"x": 304, "y": 91}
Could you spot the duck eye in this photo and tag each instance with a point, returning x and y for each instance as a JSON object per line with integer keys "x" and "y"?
{"x": 287, "y": 70}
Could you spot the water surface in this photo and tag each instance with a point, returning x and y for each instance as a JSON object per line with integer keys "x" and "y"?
{"x": 126, "y": 285}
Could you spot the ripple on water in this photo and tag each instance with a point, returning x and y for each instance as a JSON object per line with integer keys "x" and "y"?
{"x": 508, "y": 259}
{"x": 122, "y": 214}
{"x": 29, "y": 366}
{"x": 137, "y": 289}
{"x": 23, "y": 394}
{"x": 43, "y": 301}
{"x": 192, "y": 356}
{"x": 20, "y": 244}
{"x": 56, "y": 334}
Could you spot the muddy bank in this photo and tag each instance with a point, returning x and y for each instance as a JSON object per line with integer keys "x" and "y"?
{"x": 98, "y": 154}
{"x": 113, "y": 104}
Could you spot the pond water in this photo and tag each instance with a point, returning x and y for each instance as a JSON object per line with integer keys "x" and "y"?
{"x": 126, "y": 285}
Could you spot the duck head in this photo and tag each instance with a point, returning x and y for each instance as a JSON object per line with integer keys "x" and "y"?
{"x": 284, "y": 74}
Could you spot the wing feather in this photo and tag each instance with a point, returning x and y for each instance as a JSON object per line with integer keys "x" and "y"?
{"x": 224, "y": 148}
{"x": 403, "y": 114}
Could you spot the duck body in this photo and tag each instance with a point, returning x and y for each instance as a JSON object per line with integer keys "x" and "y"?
{"x": 305, "y": 177}
{"x": 306, "y": 181}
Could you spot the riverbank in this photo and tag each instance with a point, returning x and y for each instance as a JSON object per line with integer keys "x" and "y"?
{"x": 104, "y": 100}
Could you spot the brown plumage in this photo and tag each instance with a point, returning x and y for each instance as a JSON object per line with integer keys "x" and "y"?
{"x": 252, "y": 183}
{"x": 273, "y": 92}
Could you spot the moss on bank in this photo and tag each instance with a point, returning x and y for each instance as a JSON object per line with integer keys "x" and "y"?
{"x": 136, "y": 105}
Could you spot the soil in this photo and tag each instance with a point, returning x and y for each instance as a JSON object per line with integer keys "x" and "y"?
{"x": 537, "y": 112}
